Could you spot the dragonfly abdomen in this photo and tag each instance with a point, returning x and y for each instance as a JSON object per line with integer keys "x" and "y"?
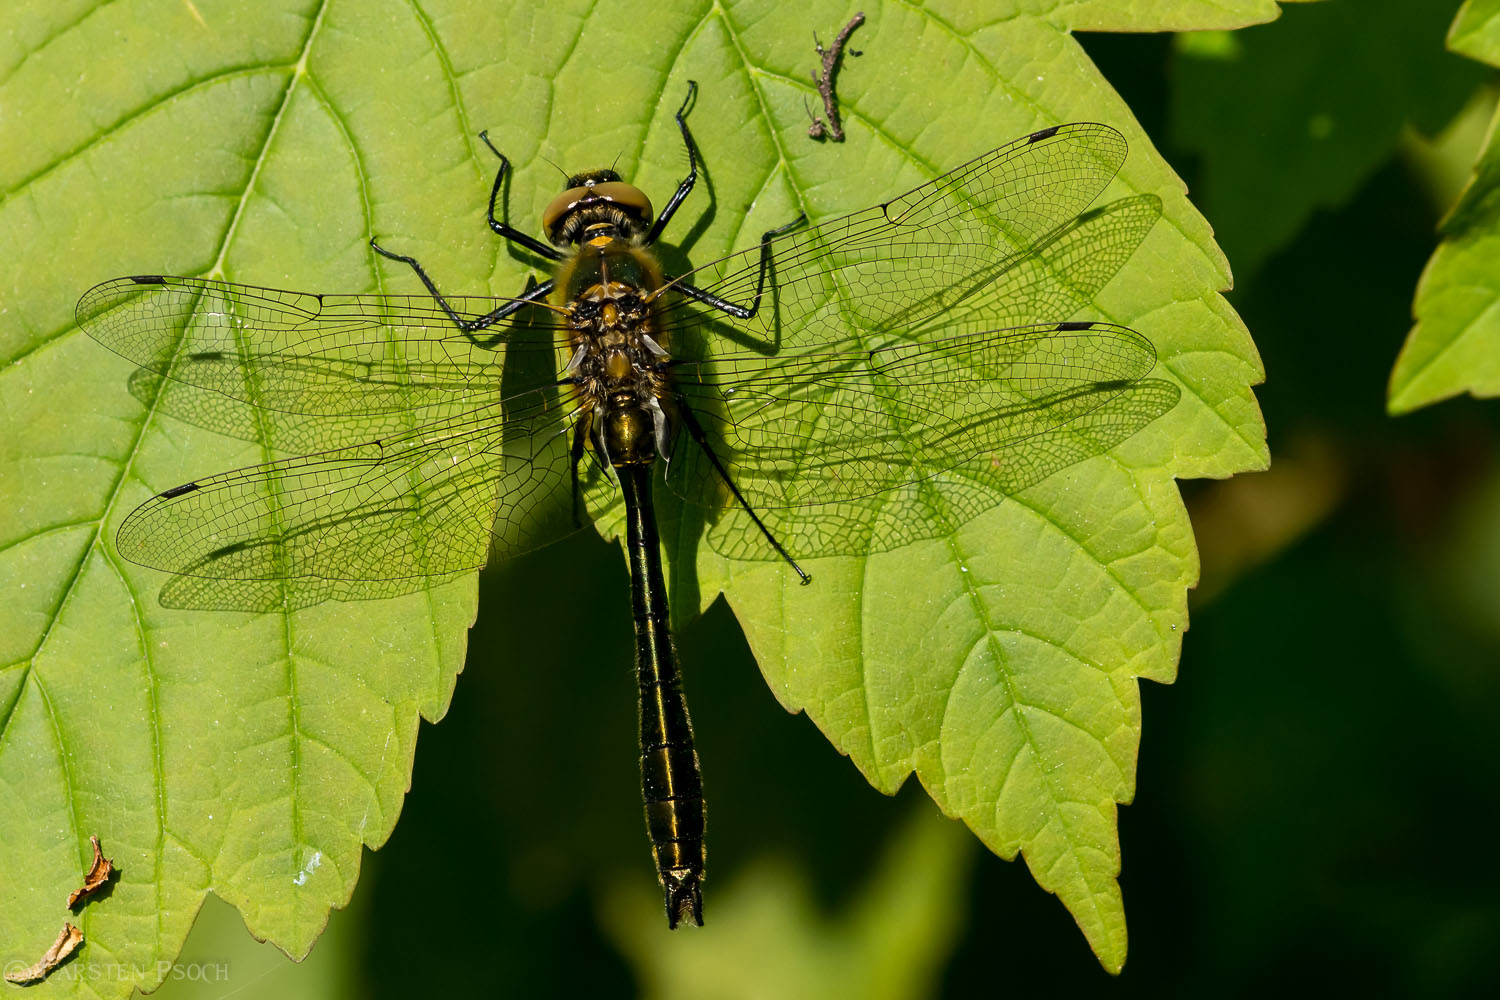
{"x": 671, "y": 783}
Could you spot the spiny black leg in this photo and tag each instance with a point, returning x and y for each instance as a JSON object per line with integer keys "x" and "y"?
{"x": 714, "y": 302}
{"x": 537, "y": 294}
{"x": 534, "y": 293}
{"x": 469, "y": 326}
{"x": 732, "y": 308}
{"x": 687, "y": 182}
{"x": 690, "y": 421}
{"x": 504, "y": 229}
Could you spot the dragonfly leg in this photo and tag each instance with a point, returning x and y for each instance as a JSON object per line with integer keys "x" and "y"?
{"x": 580, "y": 440}
{"x": 734, "y": 308}
{"x": 533, "y": 292}
{"x": 686, "y": 186}
{"x": 695, "y": 429}
{"x": 469, "y": 326}
{"x": 504, "y": 229}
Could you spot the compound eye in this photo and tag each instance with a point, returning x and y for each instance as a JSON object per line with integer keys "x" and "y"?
{"x": 559, "y": 208}
{"x": 628, "y": 197}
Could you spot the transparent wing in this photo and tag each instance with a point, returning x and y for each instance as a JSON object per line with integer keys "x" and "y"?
{"x": 285, "y": 433}
{"x": 940, "y": 503}
{"x": 876, "y": 368}
{"x": 880, "y": 366}
{"x": 1058, "y": 278}
{"x": 824, "y": 428}
{"x": 894, "y": 265}
{"x": 298, "y": 352}
{"x": 420, "y": 503}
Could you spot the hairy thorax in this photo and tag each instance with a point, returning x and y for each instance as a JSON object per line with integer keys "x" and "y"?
{"x": 616, "y": 350}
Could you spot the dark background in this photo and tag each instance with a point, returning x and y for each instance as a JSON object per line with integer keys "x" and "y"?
{"x": 1317, "y": 793}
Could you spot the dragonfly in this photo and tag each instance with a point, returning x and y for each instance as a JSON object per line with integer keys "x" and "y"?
{"x": 789, "y": 390}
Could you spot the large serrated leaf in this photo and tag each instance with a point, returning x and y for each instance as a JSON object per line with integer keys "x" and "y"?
{"x": 255, "y": 755}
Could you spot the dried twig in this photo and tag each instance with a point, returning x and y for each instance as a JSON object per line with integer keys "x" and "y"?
{"x": 824, "y": 82}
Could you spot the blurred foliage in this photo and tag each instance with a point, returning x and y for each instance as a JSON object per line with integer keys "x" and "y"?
{"x": 886, "y": 943}
{"x": 221, "y": 959}
{"x": 1294, "y": 116}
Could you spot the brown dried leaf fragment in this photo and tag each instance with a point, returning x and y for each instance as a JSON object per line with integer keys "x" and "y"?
{"x": 100, "y": 872}
{"x": 67, "y": 942}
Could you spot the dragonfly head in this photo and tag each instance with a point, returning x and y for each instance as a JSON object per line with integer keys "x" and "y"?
{"x": 594, "y": 199}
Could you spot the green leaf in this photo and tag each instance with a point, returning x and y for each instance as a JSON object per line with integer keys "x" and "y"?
{"x": 1476, "y": 31}
{"x": 1293, "y": 117}
{"x": 1454, "y": 346}
{"x": 254, "y": 755}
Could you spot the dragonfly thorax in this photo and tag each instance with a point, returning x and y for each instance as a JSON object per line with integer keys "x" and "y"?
{"x": 618, "y": 365}
{"x": 615, "y": 311}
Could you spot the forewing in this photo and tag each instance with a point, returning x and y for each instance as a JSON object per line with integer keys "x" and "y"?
{"x": 415, "y": 504}
{"x": 890, "y": 267}
{"x": 298, "y": 352}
